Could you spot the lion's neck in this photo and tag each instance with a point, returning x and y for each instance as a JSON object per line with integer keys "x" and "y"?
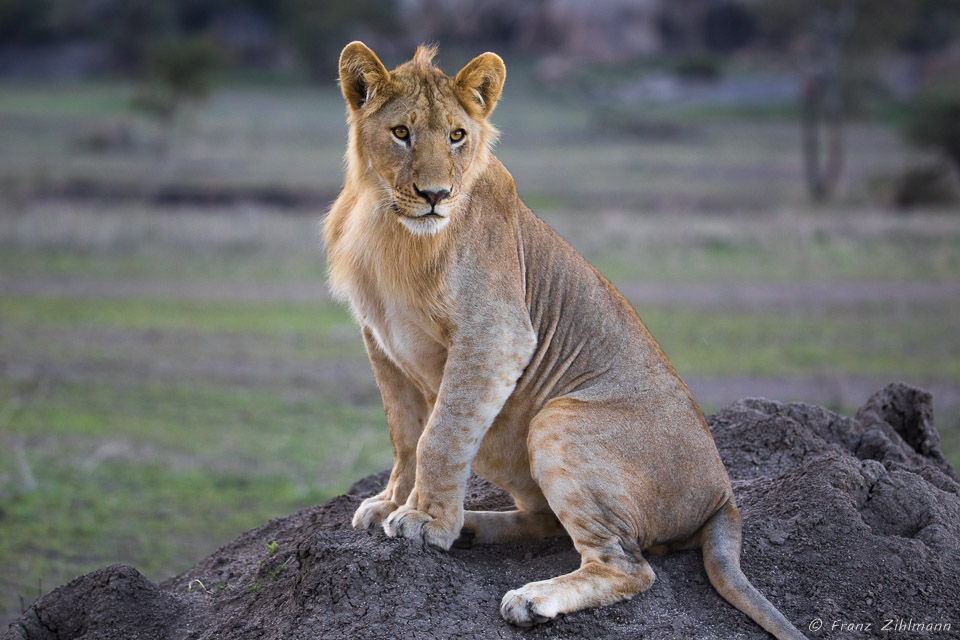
{"x": 370, "y": 255}
{"x": 374, "y": 262}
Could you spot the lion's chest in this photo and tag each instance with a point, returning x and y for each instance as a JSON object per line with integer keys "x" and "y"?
{"x": 404, "y": 335}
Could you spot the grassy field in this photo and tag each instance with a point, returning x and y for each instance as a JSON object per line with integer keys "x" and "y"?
{"x": 174, "y": 374}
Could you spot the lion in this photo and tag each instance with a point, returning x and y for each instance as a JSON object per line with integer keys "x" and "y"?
{"x": 497, "y": 348}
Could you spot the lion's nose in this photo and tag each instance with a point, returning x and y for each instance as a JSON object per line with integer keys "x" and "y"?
{"x": 433, "y": 196}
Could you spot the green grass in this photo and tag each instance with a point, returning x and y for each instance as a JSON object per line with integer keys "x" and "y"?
{"x": 151, "y": 515}
{"x": 210, "y": 425}
{"x": 158, "y": 474}
{"x": 148, "y": 461}
{"x": 786, "y": 260}
{"x": 169, "y": 265}
{"x": 795, "y": 246}
{"x": 920, "y": 343}
{"x": 65, "y": 101}
{"x": 145, "y": 314}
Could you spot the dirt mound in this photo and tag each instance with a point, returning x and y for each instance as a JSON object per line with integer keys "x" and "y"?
{"x": 852, "y": 521}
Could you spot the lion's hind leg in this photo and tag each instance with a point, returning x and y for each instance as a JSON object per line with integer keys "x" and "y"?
{"x": 584, "y": 487}
{"x": 597, "y": 582}
{"x": 495, "y": 527}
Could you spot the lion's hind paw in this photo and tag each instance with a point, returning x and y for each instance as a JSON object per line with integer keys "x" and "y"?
{"x": 524, "y": 608}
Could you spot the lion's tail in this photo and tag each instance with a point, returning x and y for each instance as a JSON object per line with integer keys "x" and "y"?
{"x": 721, "y": 556}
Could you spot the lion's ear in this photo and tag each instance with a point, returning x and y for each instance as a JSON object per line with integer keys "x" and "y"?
{"x": 361, "y": 74}
{"x": 480, "y": 82}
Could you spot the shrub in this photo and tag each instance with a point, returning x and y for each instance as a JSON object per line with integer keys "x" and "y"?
{"x": 929, "y": 185}
{"x": 179, "y": 70}
{"x": 934, "y": 121}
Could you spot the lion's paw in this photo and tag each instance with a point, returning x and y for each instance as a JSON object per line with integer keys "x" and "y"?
{"x": 407, "y": 522}
{"x": 372, "y": 512}
{"x": 528, "y": 606}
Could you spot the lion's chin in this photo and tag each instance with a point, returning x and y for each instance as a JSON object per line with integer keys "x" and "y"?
{"x": 426, "y": 225}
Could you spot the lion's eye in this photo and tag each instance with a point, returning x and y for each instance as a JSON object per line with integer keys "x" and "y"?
{"x": 401, "y": 132}
{"x": 457, "y": 135}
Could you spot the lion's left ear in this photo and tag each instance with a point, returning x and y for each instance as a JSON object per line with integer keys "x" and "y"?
{"x": 480, "y": 82}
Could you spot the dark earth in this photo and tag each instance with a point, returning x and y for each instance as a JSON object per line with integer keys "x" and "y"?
{"x": 847, "y": 521}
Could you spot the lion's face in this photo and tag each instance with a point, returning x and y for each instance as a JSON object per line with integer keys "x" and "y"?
{"x": 419, "y": 135}
{"x": 420, "y": 145}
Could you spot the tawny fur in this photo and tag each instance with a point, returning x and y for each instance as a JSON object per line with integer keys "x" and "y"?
{"x": 497, "y": 347}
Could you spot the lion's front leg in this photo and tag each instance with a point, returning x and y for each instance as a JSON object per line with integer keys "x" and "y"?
{"x": 479, "y": 376}
{"x": 406, "y": 410}
{"x": 433, "y": 513}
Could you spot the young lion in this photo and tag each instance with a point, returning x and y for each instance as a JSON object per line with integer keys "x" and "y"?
{"x": 497, "y": 347}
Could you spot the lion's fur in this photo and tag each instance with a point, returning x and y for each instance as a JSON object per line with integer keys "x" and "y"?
{"x": 497, "y": 347}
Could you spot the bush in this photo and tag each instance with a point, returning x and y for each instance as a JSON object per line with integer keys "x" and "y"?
{"x": 703, "y": 67}
{"x": 925, "y": 186}
{"x": 319, "y": 30}
{"x": 934, "y": 121}
{"x": 179, "y": 71}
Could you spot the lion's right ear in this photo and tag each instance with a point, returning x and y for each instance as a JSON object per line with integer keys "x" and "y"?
{"x": 361, "y": 74}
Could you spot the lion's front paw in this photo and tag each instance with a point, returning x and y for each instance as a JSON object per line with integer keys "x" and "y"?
{"x": 529, "y": 605}
{"x": 372, "y": 512}
{"x": 407, "y": 522}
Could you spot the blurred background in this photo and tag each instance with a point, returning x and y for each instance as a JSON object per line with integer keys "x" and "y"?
{"x": 773, "y": 184}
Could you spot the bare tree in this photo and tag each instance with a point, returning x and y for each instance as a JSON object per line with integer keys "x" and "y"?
{"x": 817, "y": 37}
{"x": 823, "y": 109}
{"x": 823, "y": 40}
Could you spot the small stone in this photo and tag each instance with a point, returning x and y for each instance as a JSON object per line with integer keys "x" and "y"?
{"x": 777, "y": 537}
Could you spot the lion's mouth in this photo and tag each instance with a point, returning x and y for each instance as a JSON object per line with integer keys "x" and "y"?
{"x": 425, "y": 224}
{"x": 430, "y": 215}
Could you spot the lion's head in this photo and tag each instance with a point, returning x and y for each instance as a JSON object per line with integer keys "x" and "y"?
{"x": 416, "y": 134}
